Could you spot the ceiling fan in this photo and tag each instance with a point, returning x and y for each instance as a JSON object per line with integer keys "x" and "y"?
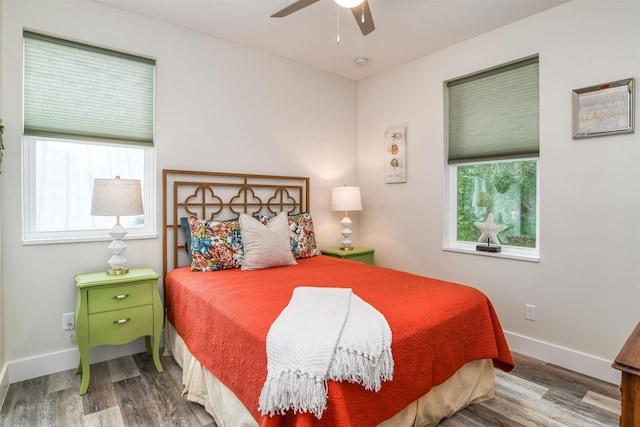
{"x": 359, "y": 8}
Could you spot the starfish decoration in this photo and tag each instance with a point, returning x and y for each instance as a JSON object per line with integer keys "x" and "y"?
{"x": 396, "y": 135}
{"x": 489, "y": 229}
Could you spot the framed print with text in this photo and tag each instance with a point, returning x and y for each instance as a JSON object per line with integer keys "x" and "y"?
{"x": 604, "y": 109}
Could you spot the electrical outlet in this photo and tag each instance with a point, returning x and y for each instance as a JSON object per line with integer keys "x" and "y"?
{"x": 68, "y": 321}
{"x": 530, "y": 312}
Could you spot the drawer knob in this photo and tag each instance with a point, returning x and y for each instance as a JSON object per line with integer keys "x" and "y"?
{"x": 121, "y": 321}
{"x": 122, "y": 296}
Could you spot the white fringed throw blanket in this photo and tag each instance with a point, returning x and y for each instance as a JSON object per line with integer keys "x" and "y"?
{"x": 323, "y": 334}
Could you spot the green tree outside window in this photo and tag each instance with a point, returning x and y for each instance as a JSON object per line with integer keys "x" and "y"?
{"x": 506, "y": 189}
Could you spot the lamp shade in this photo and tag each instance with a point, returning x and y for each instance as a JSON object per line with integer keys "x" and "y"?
{"x": 349, "y": 3}
{"x": 116, "y": 197}
{"x": 346, "y": 198}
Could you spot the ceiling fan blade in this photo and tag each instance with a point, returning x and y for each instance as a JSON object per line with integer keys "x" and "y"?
{"x": 293, "y": 8}
{"x": 367, "y": 26}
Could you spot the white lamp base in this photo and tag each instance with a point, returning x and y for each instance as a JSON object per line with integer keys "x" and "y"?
{"x": 346, "y": 242}
{"x": 117, "y": 246}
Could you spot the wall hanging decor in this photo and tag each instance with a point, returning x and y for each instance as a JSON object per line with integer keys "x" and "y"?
{"x": 604, "y": 109}
{"x": 395, "y": 158}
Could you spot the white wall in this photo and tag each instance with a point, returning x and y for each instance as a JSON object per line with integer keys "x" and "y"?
{"x": 220, "y": 107}
{"x": 586, "y": 286}
{"x": 4, "y": 377}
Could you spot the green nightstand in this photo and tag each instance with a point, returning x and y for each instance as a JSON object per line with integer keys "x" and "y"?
{"x": 116, "y": 310}
{"x": 364, "y": 255}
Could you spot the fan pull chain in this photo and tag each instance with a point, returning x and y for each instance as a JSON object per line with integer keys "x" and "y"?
{"x": 337, "y": 25}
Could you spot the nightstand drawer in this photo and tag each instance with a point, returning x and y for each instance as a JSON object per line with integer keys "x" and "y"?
{"x": 119, "y": 297}
{"x": 365, "y": 258}
{"x": 120, "y": 326}
{"x": 359, "y": 254}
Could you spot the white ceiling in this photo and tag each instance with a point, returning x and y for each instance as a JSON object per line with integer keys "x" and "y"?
{"x": 405, "y": 29}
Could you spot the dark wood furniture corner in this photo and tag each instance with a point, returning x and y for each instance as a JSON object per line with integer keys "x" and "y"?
{"x": 628, "y": 361}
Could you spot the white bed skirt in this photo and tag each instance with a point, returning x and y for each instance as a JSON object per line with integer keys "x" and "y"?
{"x": 473, "y": 383}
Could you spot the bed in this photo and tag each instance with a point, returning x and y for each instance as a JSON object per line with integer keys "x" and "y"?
{"x": 447, "y": 338}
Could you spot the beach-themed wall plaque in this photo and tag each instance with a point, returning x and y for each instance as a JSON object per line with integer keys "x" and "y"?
{"x": 395, "y": 158}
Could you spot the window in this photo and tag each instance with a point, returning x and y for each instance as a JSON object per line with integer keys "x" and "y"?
{"x": 88, "y": 113}
{"x": 59, "y": 185}
{"x": 493, "y": 149}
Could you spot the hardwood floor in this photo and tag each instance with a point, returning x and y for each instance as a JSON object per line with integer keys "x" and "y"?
{"x": 129, "y": 392}
{"x": 122, "y": 392}
{"x": 536, "y": 393}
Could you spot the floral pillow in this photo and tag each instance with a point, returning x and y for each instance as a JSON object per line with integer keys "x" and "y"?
{"x": 184, "y": 223}
{"x": 215, "y": 245}
{"x": 301, "y": 234}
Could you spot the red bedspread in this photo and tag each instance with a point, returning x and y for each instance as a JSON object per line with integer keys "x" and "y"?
{"x": 437, "y": 327}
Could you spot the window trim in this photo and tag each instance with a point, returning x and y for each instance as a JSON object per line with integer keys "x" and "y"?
{"x": 450, "y": 242}
{"x": 32, "y": 237}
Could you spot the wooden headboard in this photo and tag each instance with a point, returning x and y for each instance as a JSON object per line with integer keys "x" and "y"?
{"x": 223, "y": 196}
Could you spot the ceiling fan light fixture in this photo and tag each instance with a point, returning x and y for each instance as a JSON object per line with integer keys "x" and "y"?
{"x": 362, "y": 14}
{"x": 349, "y": 3}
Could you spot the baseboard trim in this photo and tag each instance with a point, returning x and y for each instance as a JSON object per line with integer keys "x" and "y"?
{"x": 51, "y": 363}
{"x": 566, "y": 358}
{"x": 4, "y": 384}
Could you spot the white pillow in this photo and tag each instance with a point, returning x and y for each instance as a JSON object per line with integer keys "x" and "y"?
{"x": 268, "y": 245}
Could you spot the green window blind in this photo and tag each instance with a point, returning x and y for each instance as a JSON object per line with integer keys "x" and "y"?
{"x": 495, "y": 114}
{"x": 77, "y": 91}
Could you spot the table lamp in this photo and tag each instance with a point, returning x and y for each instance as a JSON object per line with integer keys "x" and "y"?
{"x": 117, "y": 197}
{"x": 346, "y": 198}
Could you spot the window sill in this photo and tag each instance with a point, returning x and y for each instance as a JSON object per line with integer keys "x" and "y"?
{"x": 470, "y": 250}
{"x": 83, "y": 239}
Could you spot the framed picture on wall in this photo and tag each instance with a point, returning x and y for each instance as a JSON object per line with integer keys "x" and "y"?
{"x": 604, "y": 109}
{"x": 395, "y": 157}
